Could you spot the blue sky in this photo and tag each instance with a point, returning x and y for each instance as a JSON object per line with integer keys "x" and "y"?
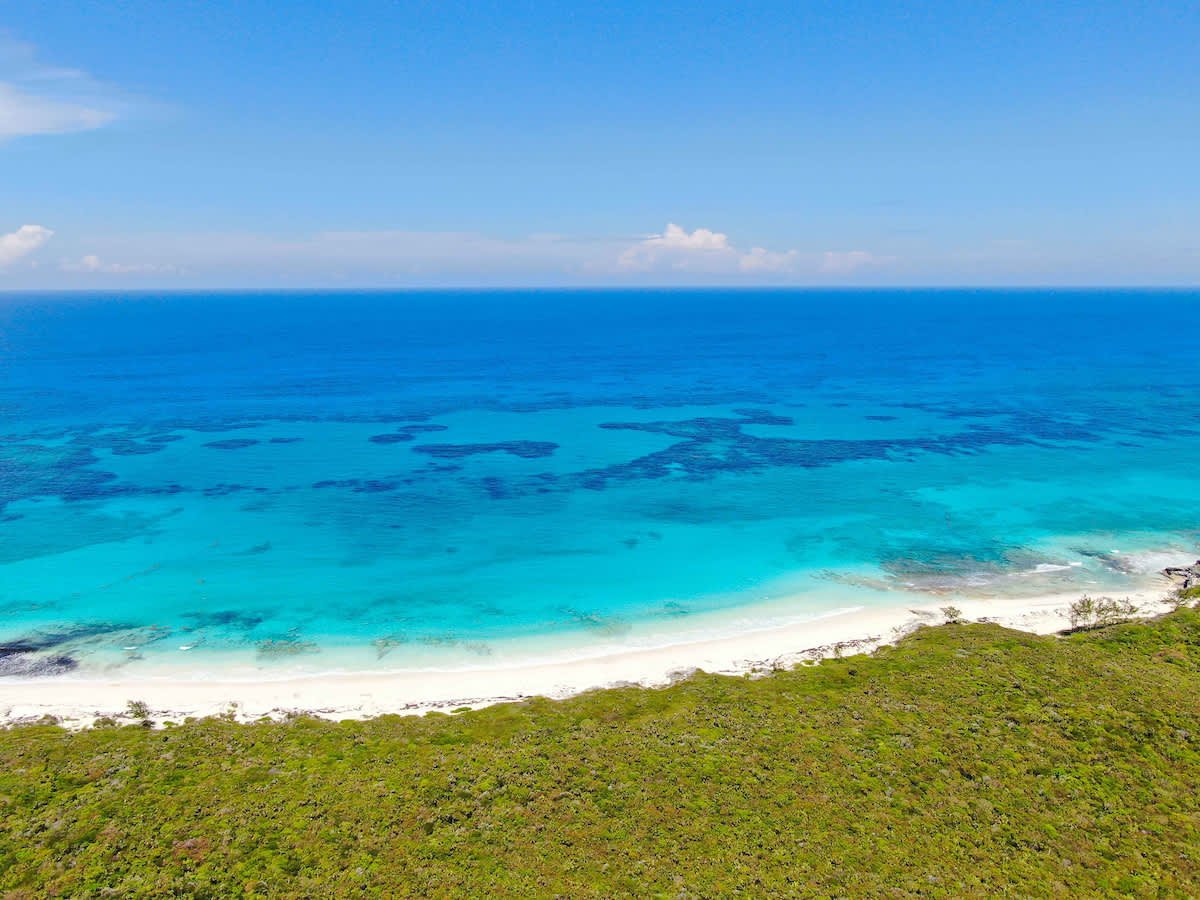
{"x": 261, "y": 144}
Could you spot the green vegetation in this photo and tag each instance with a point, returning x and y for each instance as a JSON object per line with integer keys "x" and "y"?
{"x": 1099, "y": 612}
{"x": 952, "y": 614}
{"x": 968, "y": 760}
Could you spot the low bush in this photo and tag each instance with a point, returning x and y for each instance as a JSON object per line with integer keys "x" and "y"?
{"x": 1099, "y": 612}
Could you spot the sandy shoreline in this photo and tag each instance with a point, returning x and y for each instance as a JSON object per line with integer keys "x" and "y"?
{"x": 78, "y": 702}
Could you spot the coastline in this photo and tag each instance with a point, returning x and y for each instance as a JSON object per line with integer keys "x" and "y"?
{"x": 78, "y": 702}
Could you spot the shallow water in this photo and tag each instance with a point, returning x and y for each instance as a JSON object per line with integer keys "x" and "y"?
{"x": 299, "y": 482}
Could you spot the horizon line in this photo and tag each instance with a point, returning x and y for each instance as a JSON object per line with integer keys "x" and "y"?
{"x": 599, "y": 288}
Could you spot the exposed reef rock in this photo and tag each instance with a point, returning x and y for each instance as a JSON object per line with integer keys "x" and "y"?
{"x": 288, "y": 645}
{"x": 1184, "y": 577}
{"x": 1111, "y": 560}
{"x": 40, "y": 653}
{"x": 19, "y": 659}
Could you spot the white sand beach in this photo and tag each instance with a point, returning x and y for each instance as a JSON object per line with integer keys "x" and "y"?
{"x": 77, "y": 701}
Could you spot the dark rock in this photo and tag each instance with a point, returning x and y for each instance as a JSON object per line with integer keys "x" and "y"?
{"x": 21, "y": 663}
{"x": 1184, "y": 577}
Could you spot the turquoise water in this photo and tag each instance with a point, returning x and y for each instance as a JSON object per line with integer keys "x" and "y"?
{"x": 284, "y": 483}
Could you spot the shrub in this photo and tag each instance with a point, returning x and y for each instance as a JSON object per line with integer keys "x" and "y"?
{"x": 1097, "y": 612}
{"x": 137, "y": 709}
{"x": 953, "y": 614}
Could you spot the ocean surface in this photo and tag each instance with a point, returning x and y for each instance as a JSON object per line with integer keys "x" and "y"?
{"x": 236, "y": 484}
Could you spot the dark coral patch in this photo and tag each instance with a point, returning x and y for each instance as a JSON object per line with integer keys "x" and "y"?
{"x": 391, "y": 438}
{"x": 405, "y": 433}
{"x": 225, "y": 618}
{"x": 232, "y": 444}
{"x": 359, "y": 485}
{"x": 523, "y": 449}
{"x": 264, "y": 547}
{"x": 708, "y": 446}
{"x": 133, "y": 448}
{"x": 496, "y": 489}
{"x": 375, "y": 486}
{"x": 763, "y": 417}
{"x": 224, "y": 490}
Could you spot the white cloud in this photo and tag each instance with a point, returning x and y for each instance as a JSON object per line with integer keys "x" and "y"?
{"x": 38, "y": 99}
{"x": 676, "y": 238}
{"x": 94, "y": 264}
{"x": 676, "y": 248}
{"x": 704, "y": 251}
{"x": 22, "y": 242}
{"x": 847, "y": 262}
{"x": 707, "y": 252}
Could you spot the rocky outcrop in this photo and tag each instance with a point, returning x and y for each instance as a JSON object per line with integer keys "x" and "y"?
{"x": 1184, "y": 577}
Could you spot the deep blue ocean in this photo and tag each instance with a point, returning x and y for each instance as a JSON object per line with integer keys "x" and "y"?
{"x": 306, "y": 481}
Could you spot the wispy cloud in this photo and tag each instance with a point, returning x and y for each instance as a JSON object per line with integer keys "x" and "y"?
{"x": 22, "y": 242}
{"x": 40, "y": 99}
{"x": 94, "y": 264}
{"x": 847, "y": 262}
{"x": 394, "y": 257}
{"x": 768, "y": 261}
{"x": 332, "y": 257}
